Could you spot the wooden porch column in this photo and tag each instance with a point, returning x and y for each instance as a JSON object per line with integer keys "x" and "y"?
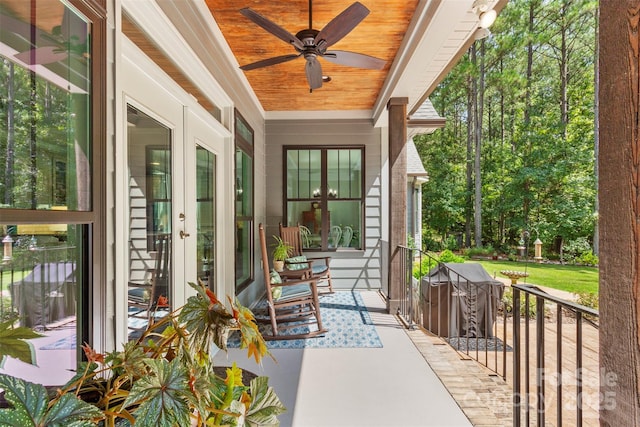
{"x": 397, "y": 108}
{"x": 619, "y": 201}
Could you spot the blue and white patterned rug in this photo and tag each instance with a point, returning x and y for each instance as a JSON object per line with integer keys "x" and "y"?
{"x": 343, "y": 314}
{"x": 66, "y": 343}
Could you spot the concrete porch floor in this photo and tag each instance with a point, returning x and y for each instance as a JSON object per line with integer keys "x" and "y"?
{"x": 389, "y": 386}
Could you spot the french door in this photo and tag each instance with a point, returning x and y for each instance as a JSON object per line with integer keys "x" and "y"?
{"x": 170, "y": 227}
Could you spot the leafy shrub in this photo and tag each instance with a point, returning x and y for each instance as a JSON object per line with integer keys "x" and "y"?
{"x": 486, "y": 251}
{"x": 507, "y": 304}
{"x": 422, "y": 268}
{"x": 574, "y": 248}
{"x": 7, "y": 311}
{"x": 452, "y": 243}
{"x": 448, "y": 256}
{"x": 588, "y": 258}
{"x": 588, "y": 299}
{"x": 431, "y": 244}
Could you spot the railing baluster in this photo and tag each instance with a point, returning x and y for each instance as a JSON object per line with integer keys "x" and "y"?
{"x": 527, "y": 382}
{"x": 579, "y": 311}
{"x": 559, "y": 365}
{"x": 540, "y": 360}
{"x": 517, "y": 396}
{"x": 579, "y": 368}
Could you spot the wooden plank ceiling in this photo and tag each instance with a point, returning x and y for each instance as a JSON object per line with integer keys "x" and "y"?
{"x": 283, "y": 87}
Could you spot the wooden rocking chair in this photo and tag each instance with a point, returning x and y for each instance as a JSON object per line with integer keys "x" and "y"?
{"x": 319, "y": 266}
{"x": 290, "y": 303}
{"x": 143, "y": 296}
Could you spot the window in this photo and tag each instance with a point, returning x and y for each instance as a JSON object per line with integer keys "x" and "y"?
{"x": 324, "y": 194}
{"x": 51, "y": 163}
{"x": 244, "y": 203}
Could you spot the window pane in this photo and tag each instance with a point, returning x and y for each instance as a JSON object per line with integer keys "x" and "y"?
{"x": 303, "y": 173}
{"x": 345, "y": 223}
{"x": 244, "y": 184}
{"x": 206, "y": 212}
{"x": 308, "y": 215}
{"x": 324, "y": 186}
{"x": 344, "y": 169}
{"x": 244, "y": 203}
{"x": 243, "y": 248}
{"x": 41, "y": 277}
{"x": 150, "y": 214}
{"x": 45, "y": 149}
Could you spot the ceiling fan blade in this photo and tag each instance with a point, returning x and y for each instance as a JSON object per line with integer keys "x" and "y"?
{"x": 42, "y": 55}
{"x": 268, "y": 62}
{"x": 342, "y": 25}
{"x": 353, "y": 59}
{"x": 314, "y": 72}
{"x": 272, "y": 27}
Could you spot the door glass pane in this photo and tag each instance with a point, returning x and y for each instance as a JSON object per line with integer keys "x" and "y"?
{"x": 244, "y": 218}
{"x": 45, "y": 67}
{"x": 206, "y": 215}
{"x": 42, "y": 275}
{"x": 150, "y": 211}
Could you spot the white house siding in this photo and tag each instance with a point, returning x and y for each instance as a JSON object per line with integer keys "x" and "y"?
{"x": 350, "y": 268}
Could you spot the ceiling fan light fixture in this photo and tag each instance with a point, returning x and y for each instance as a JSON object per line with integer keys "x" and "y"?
{"x": 326, "y": 79}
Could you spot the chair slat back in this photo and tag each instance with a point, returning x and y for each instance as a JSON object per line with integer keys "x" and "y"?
{"x": 292, "y": 236}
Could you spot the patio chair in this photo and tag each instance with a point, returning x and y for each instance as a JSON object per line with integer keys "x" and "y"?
{"x": 320, "y": 269}
{"x": 347, "y": 236}
{"x": 143, "y": 296}
{"x": 290, "y": 303}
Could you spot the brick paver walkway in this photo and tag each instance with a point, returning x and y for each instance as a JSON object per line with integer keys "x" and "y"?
{"x": 483, "y": 396}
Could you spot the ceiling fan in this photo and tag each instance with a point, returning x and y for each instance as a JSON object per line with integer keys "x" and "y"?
{"x": 312, "y": 44}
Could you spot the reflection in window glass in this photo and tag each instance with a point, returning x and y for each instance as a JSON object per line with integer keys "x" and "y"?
{"x": 45, "y": 152}
{"x": 206, "y": 215}
{"x": 325, "y": 196}
{"x": 41, "y": 277}
{"x": 244, "y": 203}
{"x": 45, "y": 166}
{"x": 149, "y": 287}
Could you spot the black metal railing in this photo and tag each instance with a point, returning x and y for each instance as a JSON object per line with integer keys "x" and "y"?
{"x": 39, "y": 285}
{"x": 550, "y": 387}
{"x": 509, "y": 333}
{"x": 457, "y": 309}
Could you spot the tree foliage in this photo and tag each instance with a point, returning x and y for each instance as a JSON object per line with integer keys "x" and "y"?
{"x": 537, "y": 127}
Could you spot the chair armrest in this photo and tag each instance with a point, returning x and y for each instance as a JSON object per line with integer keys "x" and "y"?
{"x": 326, "y": 259}
{"x": 295, "y": 274}
{"x": 312, "y": 282}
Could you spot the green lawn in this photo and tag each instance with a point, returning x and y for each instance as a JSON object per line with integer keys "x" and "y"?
{"x": 570, "y": 278}
{"x": 6, "y": 278}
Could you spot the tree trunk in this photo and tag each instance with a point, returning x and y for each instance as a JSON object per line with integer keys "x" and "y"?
{"x": 619, "y": 121}
{"x": 11, "y": 138}
{"x": 564, "y": 72}
{"x": 478, "y": 110}
{"x": 470, "y": 133}
{"x": 596, "y": 136}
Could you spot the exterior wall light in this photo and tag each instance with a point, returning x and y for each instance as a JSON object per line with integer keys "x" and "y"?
{"x": 485, "y": 12}
{"x": 481, "y": 33}
{"x": 488, "y": 18}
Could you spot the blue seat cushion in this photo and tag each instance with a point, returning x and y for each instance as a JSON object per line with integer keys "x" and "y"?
{"x": 319, "y": 269}
{"x": 296, "y": 291}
